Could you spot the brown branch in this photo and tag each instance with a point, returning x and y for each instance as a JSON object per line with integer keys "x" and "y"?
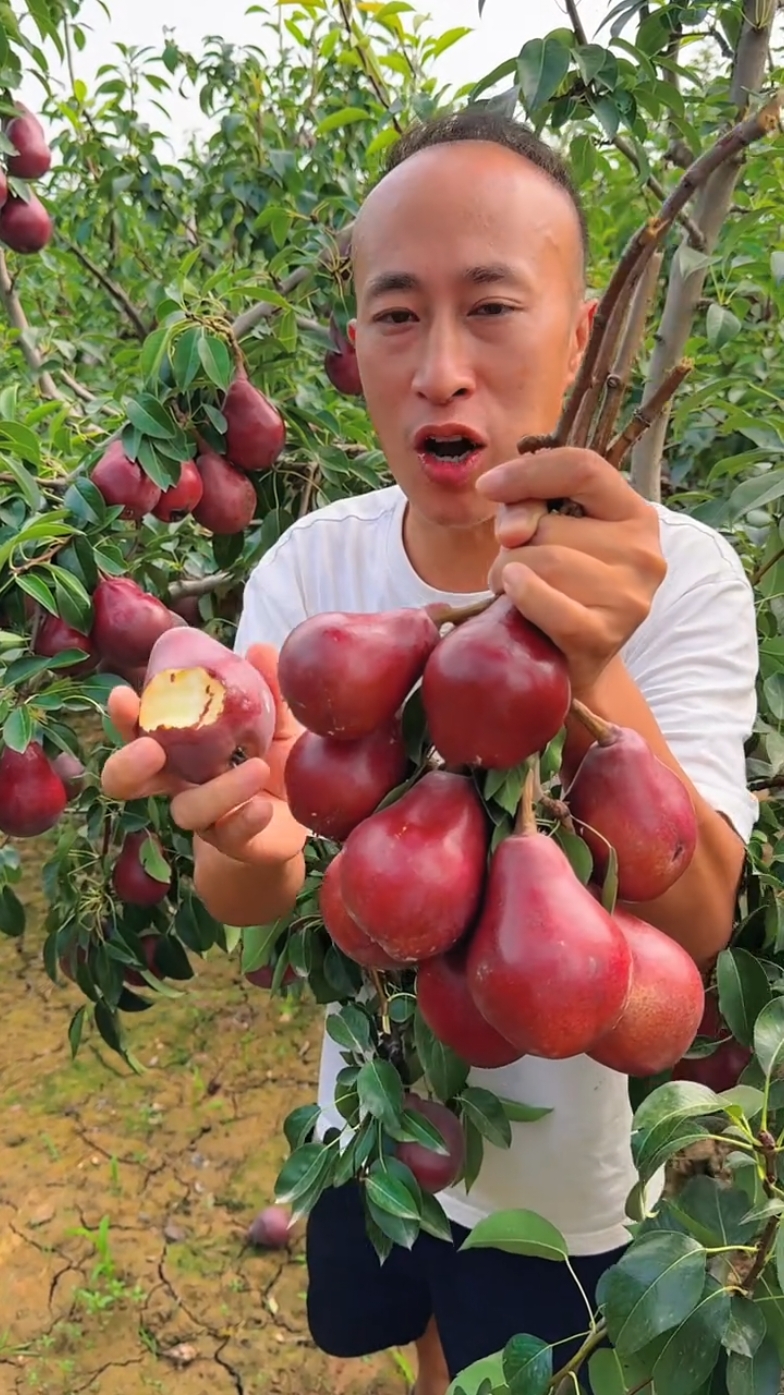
{"x": 111, "y": 287}
{"x": 633, "y": 334}
{"x": 13, "y": 309}
{"x": 696, "y": 236}
{"x": 367, "y": 66}
{"x": 198, "y": 586}
{"x": 264, "y": 309}
{"x": 576, "y": 22}
{"x": 685, "y": 286}
{"x": 645, "y": 415}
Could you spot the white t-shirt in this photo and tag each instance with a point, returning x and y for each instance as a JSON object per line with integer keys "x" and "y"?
{"x": 695, "y": 660}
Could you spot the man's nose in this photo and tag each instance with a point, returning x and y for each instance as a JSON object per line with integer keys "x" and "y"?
{"x": 444, "y": 369}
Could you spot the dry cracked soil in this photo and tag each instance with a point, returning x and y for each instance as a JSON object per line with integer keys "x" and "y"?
{"x": 124, "y": 1198}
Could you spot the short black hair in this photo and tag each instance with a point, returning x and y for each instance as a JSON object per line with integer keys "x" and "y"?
{"x": 482, "y": 123}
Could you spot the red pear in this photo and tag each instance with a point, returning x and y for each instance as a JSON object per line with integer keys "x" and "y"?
{"x": 433, "y": 1170}
{"x": 53, "y": 636}
{"x": 255, "y": 430}
{"x": 127, "y": 622}
{"x": 25, "y": 225}
{"x": 413, "y": 873}
{"x": 345, "y": 674}
{"x": 130, "y": 878}
{"x": 262, "y": 978}
{"x": 342, "y": 929}
{"x": 450, "y": 1012}
{"x": 624, "y": 796}
{"x": 664, "y": 1008}
{"x": 204, "y": 704}
{"x": 71, "y": 772}
{"x": 547, "y": 966}
{"x": 340, "y": 363}
{"x": 32, "y": 795}
{"x": 149, "y": 944}
{"x": 270, "y": 1230}
{"x": 721, "y": 1070}
{"x": 332, "y": 785}
{"x": 228, "y": 503}
{"x": 187, "y": 607}
{"x": 122, "y": 481}
{"x": 181, "y": 498}
{"x": 33, "y": 156}
{"x": 495, "y": 690}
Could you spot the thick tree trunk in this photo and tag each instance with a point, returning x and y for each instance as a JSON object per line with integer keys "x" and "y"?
{"x": 684, "y": 289}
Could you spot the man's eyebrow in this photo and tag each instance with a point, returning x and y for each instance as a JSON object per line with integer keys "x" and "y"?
{"x": 486, "y": 275}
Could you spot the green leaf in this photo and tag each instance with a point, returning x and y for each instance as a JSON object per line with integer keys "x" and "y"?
{"x": 756, "y": 1375}
{"x": 578, "y": 854}
{"x": 350, "y": 1028}
{"x": 18, "y": 729}
{"x": 26, "y": 484}
{"x": 21, "y": 440}
{"x": 488, "y": 1372}
{"x": 692, "y": 1350}
{"x": 215, "y": 360}
{"x": 75, "y": 1027}
{"x": 714, "y": 1214}
{"x": 746, "y": 1328}
{"x": 345, "y": 117}
{"x": 303, "y": 1169}
{"x": 777, "y": 266}
{"x": 380, "y": 1090}
{"x": 153, "y": 350}
{"x": 779, "y": 1253}
{"x": 299, "y": 1125}
{"x": 744, "y": 991}
{"x": 186, "y": 359}
{"x": 487, "y": 1113}
{"x": 258, "y": 941}
{"x": 653, "y": 1288}
{"x": 721, "y": 326}
{"x": 36, "y": 587}
{"x": 518, "y": 1113}
{"x": 527, "y": 1365}
{"x": 445, "y": 1071}
{"x": 434, "y": 1218}
{"x": 416, "y": 1128}
{"x": 769, "y": 1039}
{"x": 401, "y": 1230}
{"x": 389, "y": 1193}
{"x": 150, "y": 417}
{"x": 517, "y": 1233}
{"x": 12, "y": 914}
{"x": 606, "y": 1373}
{"x": 679, "y": 1099}
{"x": 542, "y": 65}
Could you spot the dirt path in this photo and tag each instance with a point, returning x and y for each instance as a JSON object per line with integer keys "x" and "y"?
{"x": 124, "y": 1199}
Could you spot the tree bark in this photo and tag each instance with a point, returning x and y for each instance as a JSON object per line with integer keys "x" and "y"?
{"x": 15, "y": 312}
{"x": 684, "y": 289}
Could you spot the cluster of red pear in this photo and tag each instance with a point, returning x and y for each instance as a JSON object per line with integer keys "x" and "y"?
{"x": 516, "y": 956}
{"x": 25, "y": 225}
{"x": 214, "y": 488}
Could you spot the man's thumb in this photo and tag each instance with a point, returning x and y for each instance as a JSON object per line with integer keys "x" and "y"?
{"x": 264, "y": 658}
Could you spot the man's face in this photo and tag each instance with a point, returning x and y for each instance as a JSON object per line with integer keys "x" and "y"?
{"x": 470, "y": 317}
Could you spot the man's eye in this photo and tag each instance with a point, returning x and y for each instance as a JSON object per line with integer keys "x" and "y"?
{"x": 493, "y": 307}
{"x": 395, "y": 317}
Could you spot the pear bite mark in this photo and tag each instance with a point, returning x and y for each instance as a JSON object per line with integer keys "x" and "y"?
{"x": 205, "y": 705}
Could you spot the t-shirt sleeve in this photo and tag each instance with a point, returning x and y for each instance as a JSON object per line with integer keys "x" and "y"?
{"x": 698, "y": 676}
{"x": 273, "y": 603}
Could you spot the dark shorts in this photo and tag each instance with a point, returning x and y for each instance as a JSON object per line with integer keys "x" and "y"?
{"x": 479, "y": 1298}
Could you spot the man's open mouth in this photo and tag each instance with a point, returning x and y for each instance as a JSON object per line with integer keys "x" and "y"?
{"x": 450, "y": 449}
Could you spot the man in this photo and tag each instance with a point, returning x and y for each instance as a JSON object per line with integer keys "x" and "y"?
{"x": 471, "y": 323}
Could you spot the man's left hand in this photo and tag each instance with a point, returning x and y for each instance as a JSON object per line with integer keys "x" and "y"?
{"x": 586, "y": 582}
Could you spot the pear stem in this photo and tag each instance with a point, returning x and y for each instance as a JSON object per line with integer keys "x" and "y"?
{"x": 525, "y": 821}
{"x": 378, "y": 984}
{"x": 600, "y": 730}
{"x": 457, "y": 615}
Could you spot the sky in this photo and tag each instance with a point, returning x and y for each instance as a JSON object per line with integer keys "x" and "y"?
{"x": 505, "y": 26}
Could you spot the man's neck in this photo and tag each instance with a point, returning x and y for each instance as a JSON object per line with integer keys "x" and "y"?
{"x": 449, "y": 559}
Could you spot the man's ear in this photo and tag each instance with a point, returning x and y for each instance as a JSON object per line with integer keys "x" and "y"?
{"x": 351, "y": 331}
{"x": 582, "y": 334}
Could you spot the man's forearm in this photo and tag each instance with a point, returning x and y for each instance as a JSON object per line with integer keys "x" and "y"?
{"x": 698, "y": 910}
{"x": 240, "y": 894}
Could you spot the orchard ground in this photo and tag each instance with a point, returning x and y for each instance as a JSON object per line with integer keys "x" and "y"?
{"x": 174, "y": 1163}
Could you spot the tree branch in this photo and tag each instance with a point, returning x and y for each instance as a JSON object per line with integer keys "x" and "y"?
{"x": 576, "y": 22}
{"x": 696, "y": 237}
{"x": 113, "y": 289}
{"x": 13, "y": 309}
{"x": 264, "y": 309}
{"x": 685, "y": 289}
{"x": 367, "y": 66}
{"x": 198, "y": 586}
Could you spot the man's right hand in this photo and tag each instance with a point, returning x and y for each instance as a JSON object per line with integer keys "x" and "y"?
{"x": 242, "y": 813}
